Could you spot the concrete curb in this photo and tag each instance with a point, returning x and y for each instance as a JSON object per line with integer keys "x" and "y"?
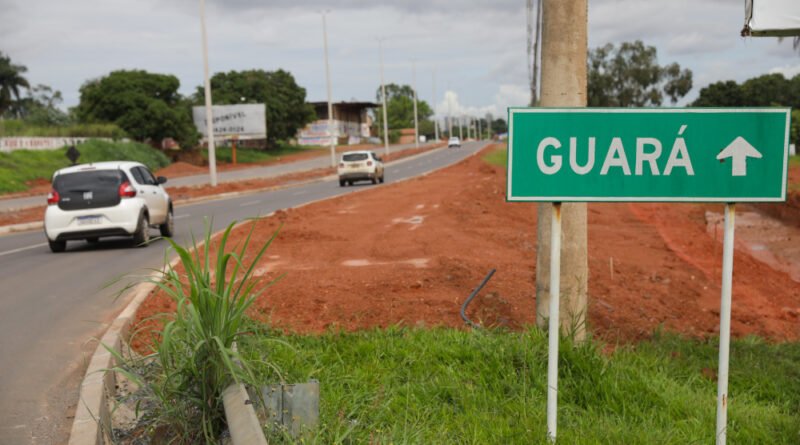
{"x": 92, "y": 423}
{"x": 23, "y": 227}
{"x": 243, "y": 422}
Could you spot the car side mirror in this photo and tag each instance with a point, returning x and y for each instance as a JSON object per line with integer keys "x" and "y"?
{"x": 161, "y": 180}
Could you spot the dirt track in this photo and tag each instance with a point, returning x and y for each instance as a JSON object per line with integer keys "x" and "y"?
{"x": 410, "y": 253}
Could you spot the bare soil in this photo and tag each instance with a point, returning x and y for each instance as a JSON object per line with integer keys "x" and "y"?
{"x": 410, "y": 253}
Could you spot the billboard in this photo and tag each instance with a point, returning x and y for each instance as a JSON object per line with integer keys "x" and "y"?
{"x": 771, "y": 18}
{"x": 233, "y": 120}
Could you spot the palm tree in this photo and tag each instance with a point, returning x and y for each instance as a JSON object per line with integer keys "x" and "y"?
{"x": 11, "y": 81}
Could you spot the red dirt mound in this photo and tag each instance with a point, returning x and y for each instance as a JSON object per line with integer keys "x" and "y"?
{"x": 411, "y": 252}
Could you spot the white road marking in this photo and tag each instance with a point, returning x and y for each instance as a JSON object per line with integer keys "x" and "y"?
{"x": 249, "y": 203}
{"x": 185, "y": 215}
{"x": 35, "y": 246}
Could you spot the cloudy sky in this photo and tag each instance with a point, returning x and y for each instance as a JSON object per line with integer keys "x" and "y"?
{"x": 476, "y": 48}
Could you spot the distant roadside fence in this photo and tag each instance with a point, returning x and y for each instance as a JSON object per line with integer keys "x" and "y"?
{"x": 8, "y": 145}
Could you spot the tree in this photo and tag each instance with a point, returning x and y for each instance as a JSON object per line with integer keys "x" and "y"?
{"x": 40, "y": 107}
{"x": 400, "y": 107}
{"x": 720, "y": 94}
{"x": 630, "y": 76}
{"x": 146, "y": 105}
{"x": 287, "y": 110}
{"x": 767, "y": 90}
{"x": 11, "y": 81}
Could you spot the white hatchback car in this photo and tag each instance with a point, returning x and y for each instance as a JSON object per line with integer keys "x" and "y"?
{"x": 90, "y": 201}
{"x": 360, "y": 166}
{"x": 454, "y": 141}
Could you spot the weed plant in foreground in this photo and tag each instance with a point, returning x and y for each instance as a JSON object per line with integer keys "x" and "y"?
{"x": 193, "y": 358}
{"x": 444, "y": 386}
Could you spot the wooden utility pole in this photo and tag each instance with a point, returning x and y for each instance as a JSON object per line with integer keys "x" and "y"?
{"x": 564, "y": 51}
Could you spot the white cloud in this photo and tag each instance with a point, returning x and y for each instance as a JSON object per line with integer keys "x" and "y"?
{"x": 788, "y": 71}
{"x": 476, "y": 47}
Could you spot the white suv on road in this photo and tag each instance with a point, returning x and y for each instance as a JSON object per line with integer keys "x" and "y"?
{"x": 360, "y": 166}
{"x": 119, "y": 198}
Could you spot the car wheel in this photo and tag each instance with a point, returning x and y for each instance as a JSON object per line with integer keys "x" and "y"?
{"x": 92, "y": 240}
{"x": 383, "y": 176}
{"x": 350, "y": 183}
{"x": 341, "y": 183}
{"x": 57, "y": 246}
{"x": 374, "y": 180}
{"x": 168, "y": 228}
{"x": 142, "y": 235}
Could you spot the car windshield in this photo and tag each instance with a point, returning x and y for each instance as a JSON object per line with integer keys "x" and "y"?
{"x": 89, "y": 180}
{"x": 350, "y": 157}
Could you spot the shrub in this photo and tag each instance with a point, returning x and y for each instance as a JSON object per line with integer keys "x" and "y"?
{"x": 193, "y": 359}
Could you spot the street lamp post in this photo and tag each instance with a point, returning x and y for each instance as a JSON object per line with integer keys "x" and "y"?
{"x": 383, "y": 94}
{"x": 449, "y": 115}
{"x": 416, "y": 122}
{"x": 435, "y": 119}
{"x": 212, "y": 158}
{"x": 328, "y": 82}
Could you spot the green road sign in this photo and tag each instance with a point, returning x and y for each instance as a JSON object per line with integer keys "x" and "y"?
{"x": 659, "y": 154}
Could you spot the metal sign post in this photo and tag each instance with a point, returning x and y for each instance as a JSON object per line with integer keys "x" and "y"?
{"x": 553, "y": 323}
{"x": 725, "y": 324}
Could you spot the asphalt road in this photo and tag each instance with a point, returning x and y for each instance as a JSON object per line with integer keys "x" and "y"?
{"x": 260, "y": 172}
{"x": 53, "y": 306}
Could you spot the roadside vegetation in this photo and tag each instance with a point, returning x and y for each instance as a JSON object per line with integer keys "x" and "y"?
{"x": 497, "y": 157}
{"x": 20, "y": 128}
{"x": 193, "y": 358}
{"x": 20, "y": 167}
{"x": 256, "y": 155}
{"x": 404, "y": 385}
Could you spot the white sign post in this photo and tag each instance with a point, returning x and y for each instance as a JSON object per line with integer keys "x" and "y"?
{"x": 725, "y": 324}
{"x": 553, "y": 324}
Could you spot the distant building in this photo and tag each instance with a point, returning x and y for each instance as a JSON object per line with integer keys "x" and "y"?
{"x": 351, "y": 124}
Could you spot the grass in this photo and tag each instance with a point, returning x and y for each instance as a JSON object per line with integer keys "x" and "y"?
{"x": 480, "y": 387}
{"x": 9, "y": 128}
{"x": 20, "y": 166}
{"x": 497, "y": 157}
{"x": 255, "y": 155}
{"x": 794, "y": 161}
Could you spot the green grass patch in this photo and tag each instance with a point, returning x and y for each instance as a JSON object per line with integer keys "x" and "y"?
{"x": 794, "y": 161}
{"x": 9, "y": 128}
{"x": 481, "y": 387}
{"x": 497, "y": 157}
{"x": 20, "y": 166}
{"x": 255, "y": 155}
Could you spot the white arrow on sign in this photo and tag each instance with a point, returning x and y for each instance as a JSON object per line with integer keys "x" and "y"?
{"x": 739, "y": 150}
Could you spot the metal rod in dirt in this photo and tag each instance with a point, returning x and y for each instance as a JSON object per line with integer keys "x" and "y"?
{"x": 725, "y": 324}
{"x": 553, "y": 327}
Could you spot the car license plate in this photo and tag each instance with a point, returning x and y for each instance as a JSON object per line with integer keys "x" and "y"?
{"x": 88, "y": 220}
{"x": 355, "y": 165}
